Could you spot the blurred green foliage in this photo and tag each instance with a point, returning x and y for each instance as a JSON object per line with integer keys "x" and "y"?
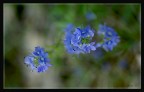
{"x": 84, "y": 71}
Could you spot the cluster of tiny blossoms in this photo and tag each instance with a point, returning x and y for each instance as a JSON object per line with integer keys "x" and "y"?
{"x": 79, "y": 40}
{"x": 38, "y": 60}
{"x": 110, "y": 38}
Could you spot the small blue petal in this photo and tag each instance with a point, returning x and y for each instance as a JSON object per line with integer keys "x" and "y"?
{"x": 93, "y": 48}
{"x": 28, "y": 59}
{"x": 98, "y": 45}
{"x": 42, "y": 68}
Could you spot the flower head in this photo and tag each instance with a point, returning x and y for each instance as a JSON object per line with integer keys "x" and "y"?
{"x": 78, "y": 40}
{"x": 38, "y": 60}
{"x": 90, "y": 16}
{"x": 110, "y": 37}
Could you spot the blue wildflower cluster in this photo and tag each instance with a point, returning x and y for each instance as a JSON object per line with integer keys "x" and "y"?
{"x": 38, "y": 60}
{"x": 110, "y": 38}
{"x": 79, "y": 40}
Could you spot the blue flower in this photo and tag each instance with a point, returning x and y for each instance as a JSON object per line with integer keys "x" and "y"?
{"x": 90, "y": 16}
{"x": 110, "y": 38}
{"x": 38, "y": 60}
{"x": 78, "y": 40}
{"x": 67, "y": 41}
